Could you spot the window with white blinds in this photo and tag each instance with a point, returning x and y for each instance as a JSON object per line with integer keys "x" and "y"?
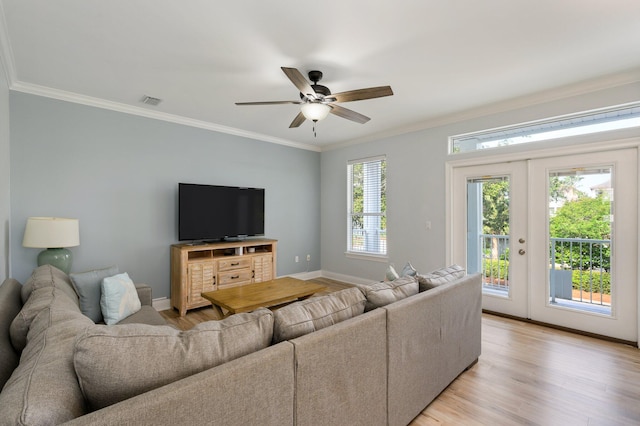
{"x": 367, "y": 205}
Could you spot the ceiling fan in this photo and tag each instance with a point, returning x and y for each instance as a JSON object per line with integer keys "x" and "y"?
{"x": 317, "y": 100}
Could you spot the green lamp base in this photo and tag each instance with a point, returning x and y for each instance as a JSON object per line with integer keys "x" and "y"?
{"x": 58, "y": 257}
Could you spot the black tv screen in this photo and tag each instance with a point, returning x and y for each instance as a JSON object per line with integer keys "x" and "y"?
{"x": 212, "y": 212}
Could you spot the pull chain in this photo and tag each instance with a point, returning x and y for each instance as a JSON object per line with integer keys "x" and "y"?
{"x": 314, "y": 128}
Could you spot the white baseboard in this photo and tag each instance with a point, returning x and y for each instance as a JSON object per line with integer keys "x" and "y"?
{"x": 332, "y": 276}
{"x": 306, "y": 275}
{"x": 161, "y": 303}
{"x": 345, "y": 278}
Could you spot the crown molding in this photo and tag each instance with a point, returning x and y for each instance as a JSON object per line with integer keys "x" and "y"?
{"x": 63, "y": 95}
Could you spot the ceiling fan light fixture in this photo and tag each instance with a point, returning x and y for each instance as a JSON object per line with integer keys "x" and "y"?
{"x": 315, "y": 111}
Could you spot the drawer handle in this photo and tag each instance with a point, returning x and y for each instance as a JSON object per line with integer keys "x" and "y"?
{"x": 235, "y": 264}
{"x": 235, "y": 277}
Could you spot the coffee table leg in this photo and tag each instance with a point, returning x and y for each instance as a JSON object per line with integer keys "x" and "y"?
{"x": 218, "y": 310}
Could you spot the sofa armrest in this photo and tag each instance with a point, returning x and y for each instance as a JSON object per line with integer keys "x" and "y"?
{"x": 144, "y": 293}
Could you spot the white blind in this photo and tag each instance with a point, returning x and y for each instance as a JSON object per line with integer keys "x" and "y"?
{"x": 367, "y": 206}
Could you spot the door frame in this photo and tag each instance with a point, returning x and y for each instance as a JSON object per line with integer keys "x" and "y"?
{"x": 605, "y": 141}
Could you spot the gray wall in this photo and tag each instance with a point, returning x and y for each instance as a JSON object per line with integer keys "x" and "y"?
{"x": 416, "y": 185}
{"x": 118, "y": 174}
{"x": 5, "y": 188}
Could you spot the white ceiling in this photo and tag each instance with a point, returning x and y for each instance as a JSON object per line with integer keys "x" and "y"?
{"x": 441, "y": 58}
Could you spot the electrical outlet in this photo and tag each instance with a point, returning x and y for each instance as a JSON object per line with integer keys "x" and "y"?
{"x": 297, "y": 258}
{"x": 308, "y": 258}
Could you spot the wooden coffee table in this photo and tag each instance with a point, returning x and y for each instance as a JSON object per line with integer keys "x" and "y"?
{"x": 249, "y": 297}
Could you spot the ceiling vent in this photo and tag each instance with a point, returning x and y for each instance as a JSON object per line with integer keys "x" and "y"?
{"x": 150, "y": 101}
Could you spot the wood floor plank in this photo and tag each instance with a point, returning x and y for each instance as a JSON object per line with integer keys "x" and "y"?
{"x": 527, "y": 374}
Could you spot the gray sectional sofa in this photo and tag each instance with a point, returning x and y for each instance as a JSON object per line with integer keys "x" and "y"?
{"x": 325, "y": 360}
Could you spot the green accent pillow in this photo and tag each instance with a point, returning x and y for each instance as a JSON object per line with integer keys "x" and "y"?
{"x": 119, "y": 298}
{"x": 391, "y": 273}
{"x": 88, "y": 287}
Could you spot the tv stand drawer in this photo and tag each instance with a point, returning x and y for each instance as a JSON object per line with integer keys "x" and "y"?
{"x": 234, "y": 263}
{"x": 234, "y": 277}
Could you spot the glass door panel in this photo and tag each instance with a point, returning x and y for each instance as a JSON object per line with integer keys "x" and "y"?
{"x": 584, "y": 247}
{"x": 580, "y": 232}
{"x": 488, "y": 232}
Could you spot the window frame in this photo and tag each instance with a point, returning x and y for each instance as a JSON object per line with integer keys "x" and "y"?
{"x": 574, "y": 124}
{"x": 382, "y": 253}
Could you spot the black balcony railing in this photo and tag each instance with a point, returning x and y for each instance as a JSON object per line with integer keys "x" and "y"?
{"x": 579, "y": 269}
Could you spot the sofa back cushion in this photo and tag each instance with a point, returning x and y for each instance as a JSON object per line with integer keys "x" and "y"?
{"x": 48, "y": 276}
{"x": 383, "y": 293}
{"x": 440, "y": 276}
{"x": 43, "y": 389}
{"x": 10, "y": 305}
{"x": 119, "y": 362}
{"x": 46, "y": 286}
{"x": 313, "y": 314}
{"x": 40, "y": 299}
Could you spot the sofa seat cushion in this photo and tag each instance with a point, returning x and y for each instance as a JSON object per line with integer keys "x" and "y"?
{"x": 146, "y": 315}
{"x": 10, "y": 305}
{"x": 440, "y": 276}
{"x": 315, "y": 313}
{"x": 383, "y": 293}
{"x": 88, "y": 286}
{"x": 117, "y": 363}
{"x": 43, "y": 389}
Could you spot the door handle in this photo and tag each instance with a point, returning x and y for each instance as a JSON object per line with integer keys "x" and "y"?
{"x": 521, "y": 252}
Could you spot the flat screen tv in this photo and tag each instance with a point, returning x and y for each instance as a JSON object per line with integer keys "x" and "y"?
{"x": 212, "y": 212}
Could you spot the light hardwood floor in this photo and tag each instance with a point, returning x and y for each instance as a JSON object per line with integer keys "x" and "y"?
{"x": 527, "y": 375}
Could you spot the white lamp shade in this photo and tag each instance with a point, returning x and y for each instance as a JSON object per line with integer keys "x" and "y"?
{"x": 315, "y": 111}
{"x": 51, "y": 232}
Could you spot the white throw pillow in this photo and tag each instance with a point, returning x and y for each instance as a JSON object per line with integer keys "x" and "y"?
{"x": 119, "y": 298}
{"x": 408, "y": 270}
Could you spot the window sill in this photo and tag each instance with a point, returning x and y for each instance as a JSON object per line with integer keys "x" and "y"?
{"x": 367, "y": 256}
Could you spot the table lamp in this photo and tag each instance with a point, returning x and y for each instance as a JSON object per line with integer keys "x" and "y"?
{"x": 54, "y": 234}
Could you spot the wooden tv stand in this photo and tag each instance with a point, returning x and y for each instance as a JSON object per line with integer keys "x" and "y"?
{"x": 200, "y": 268}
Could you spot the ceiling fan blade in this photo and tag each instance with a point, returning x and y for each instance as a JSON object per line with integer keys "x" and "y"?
{"x": 348, "y": 114}
{"x": 300, "y": 82}
{"x": 269, "y": 103}
{"x": 362, "y": 94}
{"x": 300, "y": 118}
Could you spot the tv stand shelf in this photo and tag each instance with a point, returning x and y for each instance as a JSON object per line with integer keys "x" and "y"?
{"x": 198, "y": 268}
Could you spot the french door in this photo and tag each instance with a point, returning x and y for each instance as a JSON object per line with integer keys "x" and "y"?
{"x": 556, "y": 239}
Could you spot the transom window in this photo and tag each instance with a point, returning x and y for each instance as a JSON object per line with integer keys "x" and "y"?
{"x": 367, "y": 205}
{"x": 619, "y": 117}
